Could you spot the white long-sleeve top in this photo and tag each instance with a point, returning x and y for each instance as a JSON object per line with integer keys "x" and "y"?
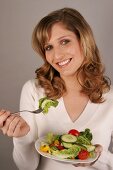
{"x": 97, "y": 117}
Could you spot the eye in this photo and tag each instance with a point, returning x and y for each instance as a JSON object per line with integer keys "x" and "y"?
{"x": 48, "y": 47}
{"x": 65, "y": 41}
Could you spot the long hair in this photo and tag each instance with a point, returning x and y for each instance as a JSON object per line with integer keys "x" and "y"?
{"x": 93, "y": 83}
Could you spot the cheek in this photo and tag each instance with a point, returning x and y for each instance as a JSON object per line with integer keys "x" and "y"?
{"x": 77, "y": 54}
{"x": 72, "y": 52}
{"x": 47, "y": 58}
{"x": 72, "y": 49}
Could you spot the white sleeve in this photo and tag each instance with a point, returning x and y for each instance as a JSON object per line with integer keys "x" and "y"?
{"x": 24, "y": 153}
{"x": 105, "y": 162}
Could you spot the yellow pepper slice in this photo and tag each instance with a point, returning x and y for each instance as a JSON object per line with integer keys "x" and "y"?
{"x": 45, "y": 148}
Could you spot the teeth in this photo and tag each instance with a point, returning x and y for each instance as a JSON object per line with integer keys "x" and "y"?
{"x": 64, "y": 62}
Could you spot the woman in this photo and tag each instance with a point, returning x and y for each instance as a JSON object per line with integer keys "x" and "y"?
{"x": 73, "y": 75}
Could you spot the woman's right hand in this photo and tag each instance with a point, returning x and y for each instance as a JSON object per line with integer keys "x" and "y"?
{"x": 13, "y": 125}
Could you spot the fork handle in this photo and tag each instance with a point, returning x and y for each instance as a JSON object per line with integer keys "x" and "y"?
{"x": 21, "y": 111}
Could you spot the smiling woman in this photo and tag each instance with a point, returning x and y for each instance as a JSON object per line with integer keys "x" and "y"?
{"x": 52, "y": 39}
{"x": 73, "y": 77}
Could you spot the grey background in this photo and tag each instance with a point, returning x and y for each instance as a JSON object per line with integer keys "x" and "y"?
{"x": 18, "y": 61}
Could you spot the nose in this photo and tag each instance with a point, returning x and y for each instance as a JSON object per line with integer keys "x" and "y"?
{"x": 58, "y": 53}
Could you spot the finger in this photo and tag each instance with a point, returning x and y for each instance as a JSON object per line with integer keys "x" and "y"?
{"x": 1, "y": 111}
{"x": 98, "y": 153}
{"x": 94, "y": 161}
{"x": 7, "y": 123}
{"x": 82, "y": 164}
{"x": 98, "y": 148}
{"x": 3, "y": 116}
{"x": 21, "y": 129}
{"x": 12, "y": 126}
{"x": 76, "y": 165}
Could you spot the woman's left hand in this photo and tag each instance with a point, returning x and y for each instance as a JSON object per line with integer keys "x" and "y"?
{"x": 98, "y": 150}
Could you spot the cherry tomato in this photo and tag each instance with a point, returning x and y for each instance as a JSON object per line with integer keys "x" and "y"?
{"x": 83, "y": 154}
{"x": 74, "y": 132}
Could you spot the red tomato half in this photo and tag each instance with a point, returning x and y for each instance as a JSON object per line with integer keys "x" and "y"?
{"x": 60, "y": 147}
{"x": 83, "y": 154}
{"x": 74, "y": 132}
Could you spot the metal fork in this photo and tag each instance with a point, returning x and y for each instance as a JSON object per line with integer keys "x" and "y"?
{"x": 34, "y": 111}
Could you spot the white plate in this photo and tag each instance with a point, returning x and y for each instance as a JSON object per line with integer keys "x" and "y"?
{"x": 71, "y": 161}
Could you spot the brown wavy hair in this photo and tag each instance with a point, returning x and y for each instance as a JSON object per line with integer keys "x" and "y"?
{"x": 93, "y": 83}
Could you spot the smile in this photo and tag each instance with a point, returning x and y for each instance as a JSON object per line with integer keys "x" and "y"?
{"x": 65, "y": 62}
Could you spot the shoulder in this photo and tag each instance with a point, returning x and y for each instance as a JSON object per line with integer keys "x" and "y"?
{"x": 109, "y": 94}
{"x": 29, "y": 84}
{"x": 32, "y": 86}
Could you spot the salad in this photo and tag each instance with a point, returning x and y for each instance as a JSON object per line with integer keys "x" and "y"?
{"x": 72, "y": 145}
{"x": 45, "y": 104}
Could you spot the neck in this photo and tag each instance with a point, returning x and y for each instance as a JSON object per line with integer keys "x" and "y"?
{"x": 72, "y": 84}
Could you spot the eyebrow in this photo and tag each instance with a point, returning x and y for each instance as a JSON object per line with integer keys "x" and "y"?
{"x": 65, "y": 36}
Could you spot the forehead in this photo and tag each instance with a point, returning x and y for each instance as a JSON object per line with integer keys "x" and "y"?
{"x": 59, "y": 30}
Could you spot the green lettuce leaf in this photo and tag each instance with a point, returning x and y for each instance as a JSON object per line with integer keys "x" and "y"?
{"x": 45, "y": 104}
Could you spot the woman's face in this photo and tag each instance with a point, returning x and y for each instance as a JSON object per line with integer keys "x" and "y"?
{"x": 63, "y": 51}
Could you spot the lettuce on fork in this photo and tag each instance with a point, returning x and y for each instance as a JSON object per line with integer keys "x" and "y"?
{"x": 45, "y": 104}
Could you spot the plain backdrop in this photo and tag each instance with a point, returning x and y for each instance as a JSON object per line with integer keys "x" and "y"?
{"x": 18, "y": 61}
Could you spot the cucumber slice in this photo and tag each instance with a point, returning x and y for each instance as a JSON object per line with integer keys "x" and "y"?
{"x": 67, "y": 145}
{"x": 69, "y": 138}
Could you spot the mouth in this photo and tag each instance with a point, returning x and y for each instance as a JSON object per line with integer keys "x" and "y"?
{"x": 64, "y": 62}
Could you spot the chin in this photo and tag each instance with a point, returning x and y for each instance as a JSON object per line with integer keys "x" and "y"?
{"x": 67, "y": 74}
